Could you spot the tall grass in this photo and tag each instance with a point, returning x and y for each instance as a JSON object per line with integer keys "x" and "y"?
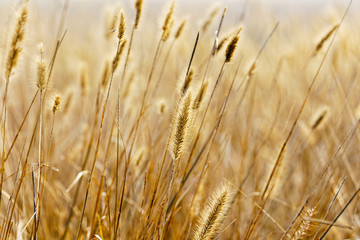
{"x": 181, "y": 127}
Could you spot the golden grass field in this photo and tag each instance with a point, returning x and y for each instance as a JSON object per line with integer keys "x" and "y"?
{"x": 208, "y": 123}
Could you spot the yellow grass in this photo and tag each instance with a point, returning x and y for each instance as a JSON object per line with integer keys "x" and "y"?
{"x": 239, "y": 123}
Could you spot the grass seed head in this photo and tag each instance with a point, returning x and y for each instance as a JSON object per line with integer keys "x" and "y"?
{"x": 168, "y": 23}
{"x": 56, "y": 104}
{"x": 210, "y": 19}
{"x": 138, "y": 7}
{"x": 84, "y": 80}
{"x": 121, "y": 32}
{"x": 41, "y": 74}
{"x": 187, "y": 82}
{"x": 180, "y": 29}
{"x": 15, "y": 45}
{"x": 325, "y": 38}
{"x": 232, "y": 46}
{"x": 200, "y": 96}
{"x": 214, "y": 213}
{"x": 182, "y": 127}
{"x": 320, "y": 118}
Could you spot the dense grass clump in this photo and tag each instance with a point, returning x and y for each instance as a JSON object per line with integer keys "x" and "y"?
{"x": 130, "y": 124}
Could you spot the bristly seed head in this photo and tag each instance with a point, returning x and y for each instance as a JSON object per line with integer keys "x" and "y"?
{"x": 214, "y": 214}
{"x": 180, "y": 30}
{"x": 15, "y": 47}
{"x": 187, "y": 82}
{"x": 221, "y": 43}
{"x": 325, "y": 38}
{"x": 56, "y": 104}
{"x": 84, "y": 80}
{"x": 41, "y": 73}
{"x": 182, "y": 127}
{"x": 200, "y": 96}
{"x": 320, "y": 119}
{"x": 211, "y": 17}
{"x": 168, "y": 23}
{"x": 138, "y": 7}
{"x": 121, "y": 26}
{"x": 232, "y": 46}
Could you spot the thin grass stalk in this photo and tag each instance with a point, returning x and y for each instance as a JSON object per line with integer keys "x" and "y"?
{"x": 34, "y": 199}
{"x": 98, "y": 143}
{"x": 213, "y": 136}
{"x": 167, "y": 144}
{"x": 9, "y": 205}
{"x": 248, "y": 76}
{"x": 198, "y": 134}
{"x": 85, "y": 161}
{"x": 312, "y": 83}
{"x": 340, "y": 213}
{"x": 21, "y": 125}
{"x": 214, "y": 47}
{"x": 166, "y": 59}
{"x": 11, "y": 62}
{"x": 338, "y": 152}
{"x": 138, "y": 6}
{"x": 137, "y": 121}
{"x": 6, "y": 229}
{"x": 228, "y": 55}
{"x": 329, "y": 207}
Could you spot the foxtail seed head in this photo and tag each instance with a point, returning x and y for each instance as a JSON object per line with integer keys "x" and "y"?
{"x": 214, "y": 213}
{"x": 182, "y": 127}
{"x": 187, "y": 82}
{"x": 41, "y": 74}
{"x": 180, "y": 29}
{"x": 325, "y": 38}
{"x": 56, "y": 104}
{"x": 168, "y": 23}
{"x": 232, "y": 46}
{"x": 138, "y": 7}
{"x": 121, "y": 26}
{"x": 16, "y": 40}
{"x": 200, "y": 96}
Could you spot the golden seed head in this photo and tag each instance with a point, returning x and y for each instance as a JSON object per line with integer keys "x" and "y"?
{"x": 187, "y": 82}
{"x": 84, "y": 79}
{"x": 325, "y": 38}
{"x": 138, "y": 7}
{"x": 211, "y": 17}
{"x": 17, "y": 38}
{"x": 118, "y": 55}
{"x": 168, "y": 23}
{"x": 106, "y": 73}
{"x": 320, "y": 118}
{"x": 162, "y": 106}
{"x": 232, "y": 46}
{"x": 121, "y": 26}
{"x": 303, "y": 224}
{"x": 221, "y": 43}
{"x": 56, "y": 104}
{"x": 41, "y": 73}
{"x": 111, "y": 23}
{"x": 213, "y": 215}
{"x": 252, "y": 69}
{"x": 182, "y": 127}
{"x": 180, "y": 29}
{"x": 200, "y": 96}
